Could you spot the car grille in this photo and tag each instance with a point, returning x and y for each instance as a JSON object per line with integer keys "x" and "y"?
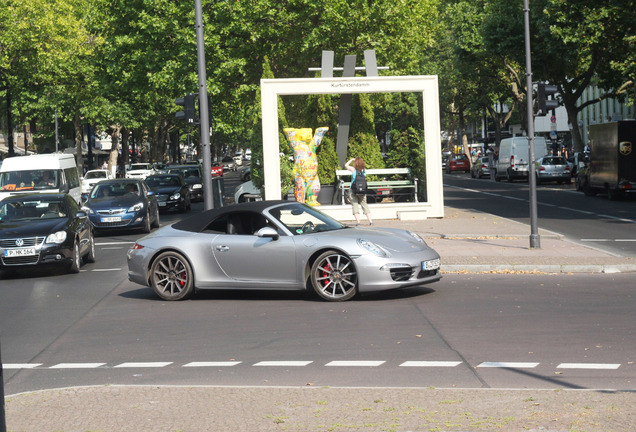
{"x": 426, "y": 273}
{"x": 121, "y": 223}
{"x": 24, "y": 260}
{"x": 163, "y": 197}
{"x": 112, "y": 212}
{"x": 401, "y": 274}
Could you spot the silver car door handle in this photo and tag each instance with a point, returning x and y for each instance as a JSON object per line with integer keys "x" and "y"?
{"x": 222, "y": 248}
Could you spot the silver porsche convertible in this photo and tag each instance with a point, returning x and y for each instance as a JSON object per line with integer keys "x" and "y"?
{"x": 278, "y": 245}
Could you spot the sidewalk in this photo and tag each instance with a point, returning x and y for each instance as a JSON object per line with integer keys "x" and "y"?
{"x": 471, "y": 241}
{"x": 467, "y": 241}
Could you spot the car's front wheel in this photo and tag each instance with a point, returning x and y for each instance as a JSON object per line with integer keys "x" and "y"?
{"x": 75, "y": 259}
{"x": 334, "y": 277}
{"x": 171, "y": 276}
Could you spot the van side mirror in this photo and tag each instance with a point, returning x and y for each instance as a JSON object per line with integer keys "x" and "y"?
{"x": 64, "y": 188}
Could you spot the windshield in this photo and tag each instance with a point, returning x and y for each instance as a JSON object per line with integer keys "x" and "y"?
{"x": 162, "y": 181}
{"x": 108, "y": 190}
{"x": 186, "y": 172}
{"x": 31, "y": 209}
{"x": 139, "y": 167}
{"x": 95, "y": 175}
{"x": 301, "y": 219}
{"x": 29, "y": 180}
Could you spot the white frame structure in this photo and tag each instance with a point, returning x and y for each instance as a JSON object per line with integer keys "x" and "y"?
{"x": 427, "y": 85}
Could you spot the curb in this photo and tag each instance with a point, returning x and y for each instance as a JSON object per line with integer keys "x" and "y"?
{"x": 525, "y": 268}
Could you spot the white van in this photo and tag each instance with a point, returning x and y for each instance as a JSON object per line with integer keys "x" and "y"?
{"x": 42, "y": 173}
{"x": 513, "y": 157}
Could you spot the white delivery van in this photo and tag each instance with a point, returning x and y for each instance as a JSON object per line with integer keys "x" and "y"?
{"x": 513, "y": 157}
{"x": 42, "y": 173}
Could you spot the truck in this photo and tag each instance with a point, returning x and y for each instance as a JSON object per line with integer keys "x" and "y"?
{"x": 514, "y": 155}
{"x": 611, "y": 169}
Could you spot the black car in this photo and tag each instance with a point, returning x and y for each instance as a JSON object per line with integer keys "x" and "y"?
{"x": 171, "y": 191}
{"x": 192, "y": 176}
{"x": 122, "y": 204}
{"x": 37, "y": 229}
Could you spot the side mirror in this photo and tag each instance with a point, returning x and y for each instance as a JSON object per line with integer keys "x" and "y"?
{"x": 268, "y": 232}
{"x": 64, "y": 188}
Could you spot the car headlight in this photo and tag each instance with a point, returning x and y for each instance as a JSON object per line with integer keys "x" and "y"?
{"x": 88, "y": 210}
{"x": 57, "y": 237}
{"x": 197, "y": 186}
{"x": 175, "y": 196}
{"x": 137, "y": 207}
{"x": 372, "y": 247}
{"x": 416, "y": 237}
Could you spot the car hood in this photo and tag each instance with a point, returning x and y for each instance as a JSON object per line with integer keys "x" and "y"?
{"x": 166, "y": 190}
{"x": 31, "y": 228}
{"x": 192, "y": 180}
{"x": 113, "y": 202}
{"x": 391, "y": 239}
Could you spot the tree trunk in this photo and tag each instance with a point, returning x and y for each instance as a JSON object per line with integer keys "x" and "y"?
{"x": 114, "y": 150}
{"x": 79, "y": 159}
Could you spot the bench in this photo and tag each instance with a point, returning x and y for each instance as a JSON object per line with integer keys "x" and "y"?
{"x": 397, "y": 184}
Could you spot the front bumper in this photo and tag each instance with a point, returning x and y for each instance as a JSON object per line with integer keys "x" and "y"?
{"x": 45, "y": 253}
{"x": 117, "y": 221}
{"x": 400, "y": 271}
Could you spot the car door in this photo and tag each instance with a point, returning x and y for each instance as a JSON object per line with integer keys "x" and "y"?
{"x": 251, "y": 261}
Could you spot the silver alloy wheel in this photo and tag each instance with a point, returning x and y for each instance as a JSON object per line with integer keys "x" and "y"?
{"x": 75, "y": 259}
{"x": 171, "y": 276}
{"x": 334, "y": 276}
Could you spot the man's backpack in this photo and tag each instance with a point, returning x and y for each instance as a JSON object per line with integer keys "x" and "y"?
{"x": 359, "y": 186}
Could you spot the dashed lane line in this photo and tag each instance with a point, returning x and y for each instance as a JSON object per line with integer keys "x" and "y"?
{"x": 303, "y": 363}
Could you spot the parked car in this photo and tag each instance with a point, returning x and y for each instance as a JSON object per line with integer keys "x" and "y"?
{"x": 140, "y": 170}
{"x": 459, "y": 162}
{"x": 246, "y": 174}
{"x": 238, "y": 161}
{"x": 246, "y": 192}
{"x": 91, "y": 178}
{"x": 38, "y": 229}
{"x": 122, "y": 204}
{"x": 552, "y": 168}
{"x": 192, "y": 176}
{"x": 480, "y": 168}
{"x": 171, "y": 190}
{"x": 287, "y": 246}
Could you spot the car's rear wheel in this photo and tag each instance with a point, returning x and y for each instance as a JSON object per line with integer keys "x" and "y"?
{"x": 156, "y": 222}
{"x": 171, "y": 276}
{"x": 334, "y": 277}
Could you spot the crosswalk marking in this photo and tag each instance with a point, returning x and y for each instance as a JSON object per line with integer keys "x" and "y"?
{"x": 77, "y": 365}
{"x": 283, "y": 363}
{"x": 143, "y": 365}
{"x": 431, "y": 363}
{"x": 212, "y": 364}
{"x": 371, "y": 363}
{"x": 588, "y": 366}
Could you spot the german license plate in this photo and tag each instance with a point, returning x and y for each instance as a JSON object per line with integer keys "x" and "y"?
{"x": 162, "y": 203}
{"x": 430, "y": 264}
{"x": 8, "y": 253}
{"x": 111, "y": 219}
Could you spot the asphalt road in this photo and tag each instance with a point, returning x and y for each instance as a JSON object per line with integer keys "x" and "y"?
{"x": 468, "y": 331}
{"x": 593, "y": 221}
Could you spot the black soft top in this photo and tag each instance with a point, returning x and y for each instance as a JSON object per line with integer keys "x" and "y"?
{"x": 198, "y": 222}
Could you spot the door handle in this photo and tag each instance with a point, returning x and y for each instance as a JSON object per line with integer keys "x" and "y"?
{"x": 222, "y": 248}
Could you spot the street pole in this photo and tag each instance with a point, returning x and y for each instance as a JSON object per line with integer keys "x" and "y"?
{"x": 3, "y": 422}
{"x": 57, "y": 139}
{"x": 203, "y": 110}
{"x": 535, "y": 240}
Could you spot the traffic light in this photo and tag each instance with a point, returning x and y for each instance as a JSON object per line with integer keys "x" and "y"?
{"x": 189, "y": 112}
{"x": 545, "y": 104}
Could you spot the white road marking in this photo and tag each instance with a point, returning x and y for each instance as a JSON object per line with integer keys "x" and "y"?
{"x": 283, "y": 363}
{"x": 106, "y": 270}
{"x": 212, "y": 364}
{"x": 431, "y": 363}
{"x": 115, "y": 243}
{"x": 143, "y": 365}
{"x": 515, "y": 365}
{"x": 77, "y": 365}
{"x": 20, "y": 365}
{"x": 588, "y": 366}
{"x": 372, "y": 363}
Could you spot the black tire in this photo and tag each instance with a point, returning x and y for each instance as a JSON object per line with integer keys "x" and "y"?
{"x": 146, "y": 228}
{"x": 90, "y": 256}
{"x": 75, "y": 259}
{"x": 171, "y": 276}
{"x": 334, "y": 277}
{"x": 508, "y": 176}
{"x": 155, "y": 224}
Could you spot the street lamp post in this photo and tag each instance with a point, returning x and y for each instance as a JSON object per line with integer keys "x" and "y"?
{"x": 535, "y": 240}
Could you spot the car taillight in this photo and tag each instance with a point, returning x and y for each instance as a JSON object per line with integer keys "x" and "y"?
{"x": 541, "y": 168}
{"x": 567, "y": 168}
{"x": 512, "y": 161}
{"x": 137, "y": 246}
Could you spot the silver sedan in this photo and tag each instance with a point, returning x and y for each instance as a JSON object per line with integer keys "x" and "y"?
{"x": 278, "y": 245}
